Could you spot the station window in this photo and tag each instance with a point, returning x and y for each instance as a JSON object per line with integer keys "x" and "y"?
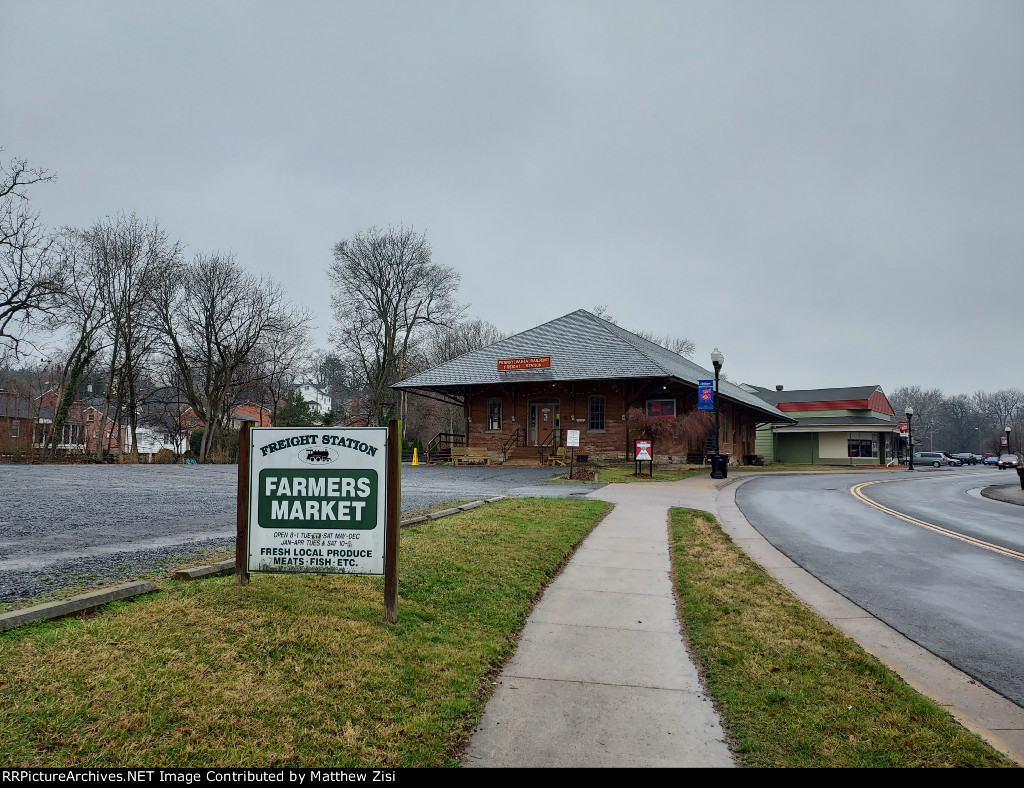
{"x": 661, "y": 408}
{"x": 494, "y": 415}
{"x": 596, "y": 413}
{"x": 15, "y": 428}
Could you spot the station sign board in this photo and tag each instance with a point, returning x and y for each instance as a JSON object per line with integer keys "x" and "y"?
{"x": 528, "y": 362}
{"x": 317, "y": 500}
{"x": 572, "y": 438}
{"x": 643, "y": 451}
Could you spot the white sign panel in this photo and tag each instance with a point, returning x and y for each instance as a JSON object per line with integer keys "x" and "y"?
{"x": 572, "y": 438}
{"x": 317, "y": 499}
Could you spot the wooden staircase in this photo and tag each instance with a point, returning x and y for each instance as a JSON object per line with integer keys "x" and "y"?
{"x": 527, "y": 455}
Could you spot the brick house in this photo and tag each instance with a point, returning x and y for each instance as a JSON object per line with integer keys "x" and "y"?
{"x": 519, "y": 395}
{"x": 258, "y": 415}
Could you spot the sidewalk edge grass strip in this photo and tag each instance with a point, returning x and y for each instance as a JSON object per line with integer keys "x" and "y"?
{"x": 792, "y": 690}
{"x": 292, "y": 670}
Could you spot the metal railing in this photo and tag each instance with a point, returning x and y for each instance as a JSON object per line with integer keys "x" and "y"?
{"x": 440, "y": 446}
{"x": 517, "y": 438}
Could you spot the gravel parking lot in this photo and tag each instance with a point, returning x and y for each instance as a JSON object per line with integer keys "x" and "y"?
{"x": 67, "y": 526}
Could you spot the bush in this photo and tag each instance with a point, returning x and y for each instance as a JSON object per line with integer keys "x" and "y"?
{"x": 165, "y": 457}
{"x": 127, "y": 458}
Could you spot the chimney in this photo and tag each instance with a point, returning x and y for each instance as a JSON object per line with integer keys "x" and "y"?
{"x": 778, "y": 388}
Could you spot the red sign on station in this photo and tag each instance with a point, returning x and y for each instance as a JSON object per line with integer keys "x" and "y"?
{"x": 530, "y": 362}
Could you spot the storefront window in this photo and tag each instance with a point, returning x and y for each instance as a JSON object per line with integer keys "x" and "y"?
{"x": 862, "y": 444}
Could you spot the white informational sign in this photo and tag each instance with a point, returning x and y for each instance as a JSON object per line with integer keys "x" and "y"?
{"x": 643, "y": 451}
{"x": 572, "y": 438}
{"x": 317, "y": 499}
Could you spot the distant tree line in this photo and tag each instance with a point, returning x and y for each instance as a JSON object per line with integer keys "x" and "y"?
{"x": 962, "y": 422}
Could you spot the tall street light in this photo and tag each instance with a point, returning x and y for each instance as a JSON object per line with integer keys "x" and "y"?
{"x": 717, "y": 359}
{"x": 910, "y": 437}
{"x": 1008, "y": 439}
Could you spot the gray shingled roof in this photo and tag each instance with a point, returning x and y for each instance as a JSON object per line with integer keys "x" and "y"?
{"x": 582, "y": 346}
{"x": 815, "y": 395}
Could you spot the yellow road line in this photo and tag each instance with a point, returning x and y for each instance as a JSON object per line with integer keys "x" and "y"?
{"x": 857, "y": 492}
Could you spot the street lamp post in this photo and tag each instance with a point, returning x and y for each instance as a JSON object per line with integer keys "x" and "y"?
{"x": 910, "y": 437}
{"x": 717, "y": 359}
{"x": 1008, "y": 439}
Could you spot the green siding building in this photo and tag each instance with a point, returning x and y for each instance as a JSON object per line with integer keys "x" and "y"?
{"x": 838, "y": 426}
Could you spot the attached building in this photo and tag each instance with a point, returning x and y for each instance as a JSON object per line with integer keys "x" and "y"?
{"x": 837, "y": 426}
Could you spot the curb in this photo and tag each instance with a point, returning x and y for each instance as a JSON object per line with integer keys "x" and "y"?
{"x": 76, "y": 604}
{"x": 218, "y": 569}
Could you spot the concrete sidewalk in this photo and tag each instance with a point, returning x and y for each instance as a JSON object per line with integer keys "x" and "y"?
{"x": 602, "y": 676}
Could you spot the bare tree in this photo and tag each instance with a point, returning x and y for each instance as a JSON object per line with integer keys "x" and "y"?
{"x": 927, "y": 405}
{"x": 133, "y": 258}
{"x": 215, "y": 319}
{"x": 78, "y": 310}
{"x": 678, "y": 345}
{"x": 451, "y": 341}
{"x": 28, "y": 277}
{"x": 1000, "y": 409}
{"x": 281, "y": 359}
{"x": 385, "y": 290}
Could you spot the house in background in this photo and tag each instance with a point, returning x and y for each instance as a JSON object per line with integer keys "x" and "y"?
{"x": 835, "y": 426}
{"x": 520, "y": 395}
{"x": 318, "y": 399}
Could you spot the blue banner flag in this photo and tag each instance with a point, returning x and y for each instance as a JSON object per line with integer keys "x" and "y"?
{"x": 705, "y": 395}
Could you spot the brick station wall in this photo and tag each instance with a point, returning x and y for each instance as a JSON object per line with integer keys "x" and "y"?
{"x": 611, "y": 443}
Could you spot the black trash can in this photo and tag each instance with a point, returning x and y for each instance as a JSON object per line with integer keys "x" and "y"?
{"x": 719, "y": 465}
{"x": 1020, "y": 474}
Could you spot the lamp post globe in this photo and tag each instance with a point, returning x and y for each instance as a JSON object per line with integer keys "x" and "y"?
{"x": 909, "y": 412}
{"x": 717, "y": 359}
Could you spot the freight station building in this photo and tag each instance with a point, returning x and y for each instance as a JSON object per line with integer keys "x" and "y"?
{"x": 580, "y": 372}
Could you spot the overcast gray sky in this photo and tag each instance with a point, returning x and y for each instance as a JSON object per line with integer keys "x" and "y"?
{"x": 830, "y": 192}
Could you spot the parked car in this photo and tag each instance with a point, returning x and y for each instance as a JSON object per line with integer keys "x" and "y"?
{"x": 966, "y": 458}
{"x": 990, "y": 459}
{"x": 934, "y": 458}
{"x": 1008, "y": 461}
{"x": 953, "y": 459}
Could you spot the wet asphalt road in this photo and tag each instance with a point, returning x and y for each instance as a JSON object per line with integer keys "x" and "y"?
{"x": 960, "y": 601}
{"x": 75, "y": 525}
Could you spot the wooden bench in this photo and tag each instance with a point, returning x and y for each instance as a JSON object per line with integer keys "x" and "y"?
{"x": 557, "y": 457}
{"x": 470, "y": 455}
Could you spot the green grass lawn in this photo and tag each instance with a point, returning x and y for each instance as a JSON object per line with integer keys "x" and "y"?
{"x": 294, "y": 670}
{"x": 302, "y": 670}
{"x": 792, "y": 690}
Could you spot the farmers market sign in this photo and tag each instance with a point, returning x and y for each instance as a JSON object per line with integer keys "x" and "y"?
{"x": 317, "y": 500}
